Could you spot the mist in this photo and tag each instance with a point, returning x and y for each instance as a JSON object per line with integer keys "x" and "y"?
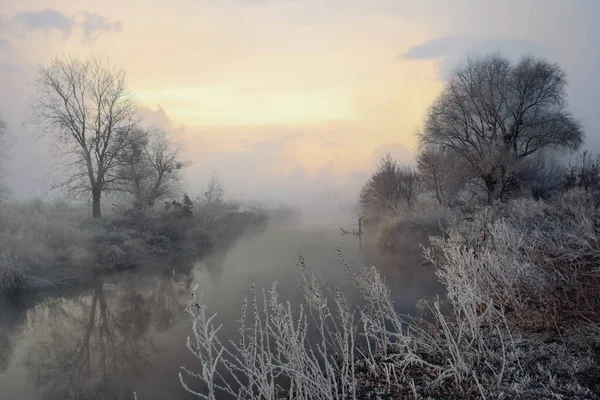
{"x": 402, "y": 196}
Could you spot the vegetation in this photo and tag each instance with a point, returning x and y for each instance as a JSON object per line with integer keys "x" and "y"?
{"x": 514, "y": 237}
{"x": 86, "y": 107}
{"x": 391, "y": 187}
{"x": 46, "y": 245}
{"x": 522, "y": 295}
{"x": 492, "y": 115}
{"x": 148, "y": 167}
{"x": 105, "y": 149}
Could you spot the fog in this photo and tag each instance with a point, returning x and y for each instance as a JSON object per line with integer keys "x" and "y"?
{"x": 224, "y": 143}
{"x": 281, "y": 154}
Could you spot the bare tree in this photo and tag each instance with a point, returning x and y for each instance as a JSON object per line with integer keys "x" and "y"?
{"x": 493, "y": 114}
{"x": 391, "y": 186}
{"x": 442, "y": 173}
{"x": 212, "y": 203}
{"x": 380, "y": 190}
{"x": 86, "y": 107}
{"x": 149, "y": 166}
{"x": 409, "y": 184}
{"x": 585, "y": 174}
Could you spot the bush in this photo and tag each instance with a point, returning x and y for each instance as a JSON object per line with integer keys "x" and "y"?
{"x": 48, "y": 245}
{"x": 12, "y": 277}
{"x": 537, "y": 260}
{"x": 585, "y": 174}
{"x": 468, "y": 352}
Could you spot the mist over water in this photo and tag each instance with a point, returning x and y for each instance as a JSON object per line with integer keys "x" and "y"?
{"x": 126, "y": 332}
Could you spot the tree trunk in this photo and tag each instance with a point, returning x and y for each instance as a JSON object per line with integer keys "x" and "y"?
{"x": 494, "y": 188}
{"x": 96, "y": 192}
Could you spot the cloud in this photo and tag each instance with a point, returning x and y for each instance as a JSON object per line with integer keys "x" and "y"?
{"x": 436, "y": 48}
{"x": 45, "y": 20}
{"x": 90, "y": 25}
{"x": 94, "y": 25}
{"x": 451, "y": 50}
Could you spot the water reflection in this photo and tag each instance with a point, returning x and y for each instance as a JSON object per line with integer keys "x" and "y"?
{"x": 95, "y": 343}
{"x": 127, "y": 332}
{"x": 11, "y": 316}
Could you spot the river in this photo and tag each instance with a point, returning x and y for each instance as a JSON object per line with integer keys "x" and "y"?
{"x": 126, "y": 332}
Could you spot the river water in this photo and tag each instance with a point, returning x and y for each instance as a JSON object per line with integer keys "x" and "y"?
{"x": 126, "y": 332}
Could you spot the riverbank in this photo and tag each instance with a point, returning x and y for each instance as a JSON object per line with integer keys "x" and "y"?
{"x": 48, "y": 245}
{"x": 125, "y": 332}
{"x": 520, "y": 319}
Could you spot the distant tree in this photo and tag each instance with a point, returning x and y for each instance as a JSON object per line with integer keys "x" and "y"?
{"x": 409, "y": 184}
{"x": 493, "y": 114}
{"x": 391, "y": 186}
{"x": 149, "y": 166}
{"x": 442, "y": 173}
{"x": 183, "y": 209}
{"x": 584, "y": 174}
{"x": 86, "y": 107}
{"x": 212, "y": 203}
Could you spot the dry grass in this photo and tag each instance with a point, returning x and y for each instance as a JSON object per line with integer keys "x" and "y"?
{"x": 540, "y": 261}
{"x": 470, "y": 350}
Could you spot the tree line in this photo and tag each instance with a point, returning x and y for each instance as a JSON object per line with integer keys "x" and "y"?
{"x": 495, "y": 130}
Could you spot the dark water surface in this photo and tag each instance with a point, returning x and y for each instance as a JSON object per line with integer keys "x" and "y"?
{"x": 127, "y": 331}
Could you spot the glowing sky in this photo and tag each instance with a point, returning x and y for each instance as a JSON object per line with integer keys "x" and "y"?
{"x": 272, "y": 91}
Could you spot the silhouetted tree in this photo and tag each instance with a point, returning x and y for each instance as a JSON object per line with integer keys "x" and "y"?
{"x": 211, "y": 205}
{"x": 585, "y": 174}
{"x": 493, "y": 114}
{"x": 86, "y": 107}
{"x": 391, "y": 186}
{"x": 183, "y": 209}
{"x": 149, "y": 167}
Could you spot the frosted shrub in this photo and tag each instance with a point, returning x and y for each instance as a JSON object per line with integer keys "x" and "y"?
{"x": 538, "y": 260}
{"x": 12, "y": 278}
{"x": 327, "y": 349}
{"x": 510, "y": 266}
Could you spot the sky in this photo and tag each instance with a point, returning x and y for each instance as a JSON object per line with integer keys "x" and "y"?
{"x": 292, "y": 100}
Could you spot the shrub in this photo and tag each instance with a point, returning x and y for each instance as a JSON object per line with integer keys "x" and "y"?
{"x": 585, "y": 174}
{"x": 12, "y": 277}
{"x": 56, "y": 244}
{"x": 537, "y": 260}
{"x": 373, "y": 352}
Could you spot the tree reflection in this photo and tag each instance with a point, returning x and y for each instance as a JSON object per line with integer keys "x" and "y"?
{"x": 94, "y": 345}
{"x": 12, "y": 317}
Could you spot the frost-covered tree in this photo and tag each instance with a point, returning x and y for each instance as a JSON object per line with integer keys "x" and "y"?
{"x": 493, "y": 113}
{"x": 149, "y": 166}
{"x": 85, "y": 106}
{"x": 442, "y": 173}
{"x": 391, "y": 186}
